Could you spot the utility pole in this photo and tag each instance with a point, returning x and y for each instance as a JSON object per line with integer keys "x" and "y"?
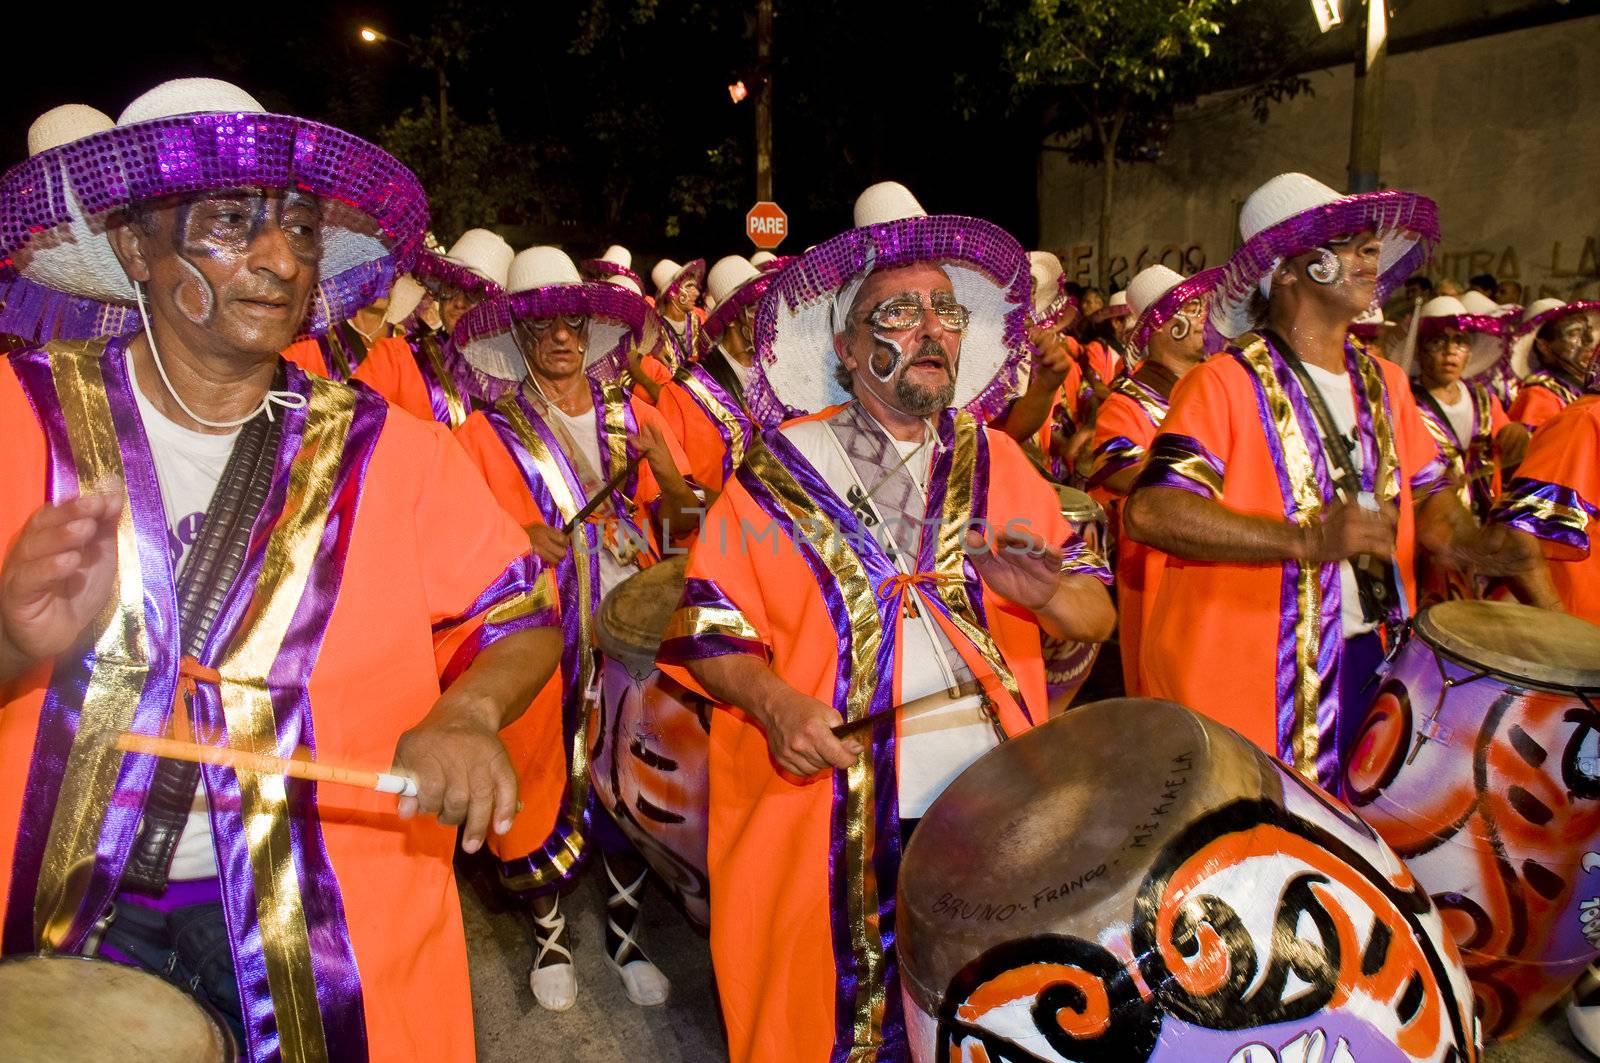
{"x": 1366, "y": 121}
{"x": 444, "y": 114}
{"x": 764, "y": 101}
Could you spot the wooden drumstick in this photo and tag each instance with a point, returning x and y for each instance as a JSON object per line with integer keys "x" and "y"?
{"x": 601, "y": 495}
{"x": 174, "y": 749}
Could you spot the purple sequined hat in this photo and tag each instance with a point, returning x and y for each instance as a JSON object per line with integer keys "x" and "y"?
{"x": 1486, "y": 335}
{"x": 615, "y": 266}
{"x": 1540, "y": 313}
{"x": 1292, "y": 214}
{"x": 194, "y": 136}
{"x": 1156, "y": 293}
{"x": 668, "y": 276}
{"x": 545, "y": 283}
{"x": 795, "y": 320}
{"x": 733, "y": 284}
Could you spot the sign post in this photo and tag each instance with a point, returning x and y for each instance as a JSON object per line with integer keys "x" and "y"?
{"x": 766, "y": 225}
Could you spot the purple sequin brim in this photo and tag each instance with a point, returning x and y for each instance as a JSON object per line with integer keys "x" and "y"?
{"x": 819, "y": 273}
{"x": 1538, "y": 321}
{"x": 1492, "y": 326}
{"x": 600, "y": 269}
{"x": 1388, "y": 212}
{"x": 717, "y": 322}
{"x": 430, "y": 266}
{"x": 1158, "y": 313}
{"x": 777, "y": 262}
{"x": 1058, "y": 306}
{"x": 39, "y": 314}
{"x": 596, "y": 299}
{"x": 697, "y": 268}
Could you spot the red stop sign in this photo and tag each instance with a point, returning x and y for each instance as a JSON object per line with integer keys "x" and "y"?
{"x": 766, "y": 225}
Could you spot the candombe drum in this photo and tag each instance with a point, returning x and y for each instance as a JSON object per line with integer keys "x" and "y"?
{"x": 1077, "y": 896}
{"x": 124, "y": 1014}
{"x": 1479, "y": 762}
{"x": 1067, "y": 664}
{"x": 650, "y": 738}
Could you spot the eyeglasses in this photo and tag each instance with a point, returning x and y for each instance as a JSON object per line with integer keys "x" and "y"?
{"x": 1457, "y": 340}
{"x": 903, "y": 314}
{"x": 545, "y": 325}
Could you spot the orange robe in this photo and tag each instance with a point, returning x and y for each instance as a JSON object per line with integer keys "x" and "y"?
{"x": 1231, "y": 639}
{"x": 516, "y": 455}
{"x": 1543, "y": 395}
{"x": 1123, "y": 432}
{"x": 1555, "y": 497}
{"x": 346, "y": 926}
{"x": 803, "y": 975}
{"x": 421, "y": 376}
{"x": 712, "y": 428}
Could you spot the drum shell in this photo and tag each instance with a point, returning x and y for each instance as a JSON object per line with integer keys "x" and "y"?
{"x": 650, "y": 744}
{"x": 1067, "y": 664}
{"x": 167, "y": 1005}
{"x": 1486, "y": 786}
{"x": 1190, "y": 819}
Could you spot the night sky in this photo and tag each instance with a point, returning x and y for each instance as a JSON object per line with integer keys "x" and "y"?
{"x": 864, "y": 91}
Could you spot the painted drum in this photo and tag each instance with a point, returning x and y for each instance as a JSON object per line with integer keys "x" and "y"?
{"x": 1479, "y": 762}
{"x": 1076, "y": 896}
{"x": 1067, "y": 664}
{"x": 650, "y": 738}
{"x": 124, "y": 1013}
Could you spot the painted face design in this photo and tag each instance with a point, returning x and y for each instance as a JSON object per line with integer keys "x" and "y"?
{"x": 555, "y": 346}
{"x": 213, "y": 237}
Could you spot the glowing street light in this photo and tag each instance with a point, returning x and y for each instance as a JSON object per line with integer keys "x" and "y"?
{"x": 370, "y": 35}
{"x": 737, "y": 92}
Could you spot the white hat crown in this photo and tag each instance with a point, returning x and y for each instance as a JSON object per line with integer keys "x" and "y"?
{"x": 729, "y": 275}
{"x": 761, "y": 258}
{"x": 1476, "y": 302}
{"x": 1045, "y": 269}
{"x": 1282, "y": 198}
{"x": 618, "y": 255}
{"x": 541, "y": 267}
{"x": 64, "y": 124}
{"x": 1541, "y": 306}
{"x": 484, "y": 253}
{"x": 1118, "y": 298}
{"x": 1150, "y": 284}
{"x": 1443, "y": 306}
{"x": 663, "y": 272}
{"x": 189, "y": 96}
{"x": 884, "y": 202}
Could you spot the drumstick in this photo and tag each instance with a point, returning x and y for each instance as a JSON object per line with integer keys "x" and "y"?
{"x": 601, "y": 495}
{"x": 845, "y": 730}
{"x": 173, "y": 749}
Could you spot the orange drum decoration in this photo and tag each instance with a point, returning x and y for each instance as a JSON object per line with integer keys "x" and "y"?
{"x": 1067, "y": 664}
{"x": 1479, "y": 762}
{"x": 650, "y": 738}
{"x": 1074, "y": 896}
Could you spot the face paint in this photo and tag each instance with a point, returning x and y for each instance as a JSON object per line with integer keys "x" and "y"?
{"x": 1328, "y": 270}
{"x": 195, "y": 297}
{"x": 885, "y": 358}
{"x": 923, "y": 400}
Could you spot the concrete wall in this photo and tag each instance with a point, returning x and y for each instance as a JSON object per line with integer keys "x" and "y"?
{"x": 1502, "y": 131}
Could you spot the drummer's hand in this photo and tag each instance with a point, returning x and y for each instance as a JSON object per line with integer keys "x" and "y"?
{"x": 462, "y": 770}
{"x": 1022, "y": 567}
{"x": 548, "y": 543}
{"x": 1349, "y": 530}
{"x": 1054, "y": 361}
{"x": 57, "y": 577}
{"x": 653, "y": 444}
{"x": 1496, "y": 551}
{"x": 800, "y": 735}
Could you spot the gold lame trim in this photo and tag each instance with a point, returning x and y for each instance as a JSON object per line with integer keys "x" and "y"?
{"x": 549, "y": 469}
{"x": 1194, "y": 468}
{"x": 1308, "y": 588}
{"x": 695, "y": 620}
{"x": 1153, "y": 410}
{"x": 1544, "y": 509}
{"x": 456, "y": 409}
{"x": 288, "y": 561}
{"x": 722, "y": 415}
{"x": 121, "y": 656}
{"x": 866, "y": 636}
{"x": 1386, "y": 480}
{"x": 616, "y": 439}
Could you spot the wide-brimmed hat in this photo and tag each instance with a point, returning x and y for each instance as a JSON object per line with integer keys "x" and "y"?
{"x": 543, "y": 283}
{"x": 1486, "y": 333}
{"x": 615, "y": 266}
{"x": 1049, "y": 299}
{"x": 37, "y": 312}
{"x": 1116, "y": 306}
{"x": 733, "y": 284}
{"x": 1539, "y": 314}
{"x": 795, "y": 359}
{"x": 1292, "y": 214}
{"x": 1369, "y": 325}
{"x": 761, "y": 258}
{"x": 1158, "y": 292}
{"x": 668, "y": 276}
{"x": 478, "y": 263}
{"x": 195, "y": 136}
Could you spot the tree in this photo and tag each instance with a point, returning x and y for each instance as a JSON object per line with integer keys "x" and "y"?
{"x": 1109, "y": 75}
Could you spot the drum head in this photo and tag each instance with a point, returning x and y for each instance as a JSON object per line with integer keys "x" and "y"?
{"x": 1054, "y": 831}
{"x": 1543, "y": 648}
{"x": 634, "y": 616}
{"x": 1077, "y": 506}
{"x": 123, "y": 1014}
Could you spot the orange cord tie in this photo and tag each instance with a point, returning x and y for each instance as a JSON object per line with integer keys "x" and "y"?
{"x": 900, "y": 583}
{"x": 191, "y": 673}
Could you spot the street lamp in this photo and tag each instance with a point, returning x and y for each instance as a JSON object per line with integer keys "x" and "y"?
{"x": 428, "y": 61}
{"x": 370, "y": 35}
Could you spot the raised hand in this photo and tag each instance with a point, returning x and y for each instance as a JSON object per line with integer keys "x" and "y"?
{"x": 1349, "y": 530}
{"x": 1020, "y": 566}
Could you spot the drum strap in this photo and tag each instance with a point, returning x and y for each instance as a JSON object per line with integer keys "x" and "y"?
{"x": 1375, "y": 579}
{"x": 208, "y": 574}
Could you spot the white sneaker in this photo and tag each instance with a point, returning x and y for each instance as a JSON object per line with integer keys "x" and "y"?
{"x": 555, "y": 987}
{"x": 1583, "y": 1013}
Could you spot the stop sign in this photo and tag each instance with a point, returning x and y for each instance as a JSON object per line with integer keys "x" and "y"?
{"x": 766, "y": 225}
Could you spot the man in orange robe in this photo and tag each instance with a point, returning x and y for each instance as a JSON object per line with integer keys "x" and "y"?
{"x": 1168, "y": 340}
{"x": 545, "y": 449}
{"x": 1054, "y": 409}
{"x": 1287, "y": 557}
{"x": 419, "y": 369}
{"x": 836, "y": 580}
{"x": 283, "y": 627}
{"x": 1563, "y": 335}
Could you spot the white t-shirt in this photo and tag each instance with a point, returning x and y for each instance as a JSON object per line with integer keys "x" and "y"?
{"x": 188, "y": 467}
{"x": 1340, "y": 400}
{"x": 586, "y": 434}
{"x": 935, "y": 745}
{"x": 1459, "y": 414}
{"x": 741, "y": 372}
